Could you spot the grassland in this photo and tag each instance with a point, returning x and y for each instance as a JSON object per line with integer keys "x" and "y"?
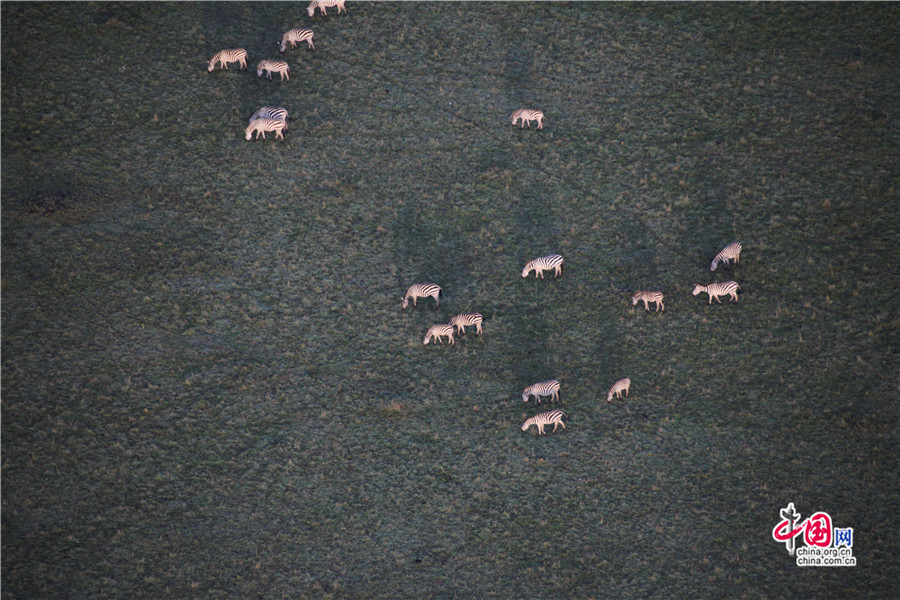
{"x": 210, "y": 390}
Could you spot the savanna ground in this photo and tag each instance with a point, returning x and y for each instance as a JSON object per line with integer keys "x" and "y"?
{"x": 210, "y": 390}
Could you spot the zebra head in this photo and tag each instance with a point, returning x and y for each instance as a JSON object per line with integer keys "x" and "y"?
{"x": 525, "y": 426}
{"x": 311, "y": 9}
{"x": 699, "y": 288}
{"x": 282, "y": 46}
{"x": 715, "y": 263}
{"x": 527, "y": 269}
{"x": 525, "y": 396}
{"x": 635, "y": 299}
{"x": 427, "y": 338}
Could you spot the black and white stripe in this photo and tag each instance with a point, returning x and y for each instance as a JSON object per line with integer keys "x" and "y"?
{"x": 543, "y": 419}
{"x": 528, "y": 115}
{"x": 321, "y": 4}
{"x": 268, "y": 67}
{"x": 618, "y": 387}
{"x": 715, "y": 290}
{"x": 545, "y": 263}
{"x": 423, "y": 290}
{"x": 436, "y": 332}
{"x": 730, "y": 252}
{"x": 544, "y": 388}
{"x": 261, "y": 126}
{"x": 294, "y": 36}
{"x": 464, "y": 320}
{"x": 271, "y": 112}
{"x": 647, "y": 298}
{"x": 230, "y": 55}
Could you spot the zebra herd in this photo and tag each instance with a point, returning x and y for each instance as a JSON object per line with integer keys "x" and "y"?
{"x": 730, "y": 254}
{"x": 273, "y": 119}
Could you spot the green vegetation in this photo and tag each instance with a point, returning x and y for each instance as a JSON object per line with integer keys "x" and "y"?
{"x": 210, "y": 390}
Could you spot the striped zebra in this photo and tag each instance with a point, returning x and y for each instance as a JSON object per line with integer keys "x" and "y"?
{"x": 261, "y": 126}
{"x": 238, "y": 55}
{"x": 719, "y": 289}
{"x": 545, "y": 263}
{"x": 460, "y": 322}
{"x": 544, "y": 388}
{"x": 297, "y": 35}
{"x": 730, "y": 252}
{"x": 528, "y": 115}
{"x": 423, "y": 290}
{"x": 545, "y": 418}
{"x": 649, "y": 297}
{"x": 321, "y": 4}
{"x": 273, "y": 66}
{"x": 436, "y": 332}
{"x": 617, "y": 389}
{"x": 271, "y": 112}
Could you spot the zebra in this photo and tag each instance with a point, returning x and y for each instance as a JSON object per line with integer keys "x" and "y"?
{"x": 730, "y": 252}
{"x": 544, "y": 388}
{"x": 321, "y": 4}
{"x": 649, "y": 297}
{"x": 719, "y": 289}
{"x": 617, "y": 389}
{"x": 273, "y": 66}
{"x": 423, "y": 290}
{"x": 463, "y": 320}
{"x": 436, "y": 332}
{"x": 545, "y": 263}
{"x": 545, "y": 418}
{"x": 297, "y": 35}
{"x": 271, "y": 112}
{"x": 238, "y": 55}
{"x": 261, "y": 126}
{"x": 528, "y": 115}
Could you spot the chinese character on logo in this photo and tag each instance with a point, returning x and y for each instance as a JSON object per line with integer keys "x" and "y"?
{"x": 790, "y": 517}
{"x": 818, "y": 530}
{"x": 843, "y": 537}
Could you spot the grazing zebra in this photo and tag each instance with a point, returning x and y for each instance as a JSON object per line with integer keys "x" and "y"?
{"x": 545, "y": 418}
{"x": 730, "y": 252}
{"x": 719, "y": 289}
{"x": 238, "y": 55}
{"x": 423, "y": 290}
{"x": 462, "y": 321}
{"x": 649, "y": 297}
{"x": 273, "y": 66}
{"x": 528, "y": 115}
{"x": 321, "y": 4}
{"x": 261, "y": 126}
{"x": 271, "y": 112}
{"x": 436, "y": 332}
{"x": 617, "y": 389}
{"x": 297, "y": 35}
{"x": 545, "y": 263}
{"x": 544, "y": 388}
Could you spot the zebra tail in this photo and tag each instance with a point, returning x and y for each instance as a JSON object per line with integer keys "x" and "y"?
{"x": 440, "y": 293}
